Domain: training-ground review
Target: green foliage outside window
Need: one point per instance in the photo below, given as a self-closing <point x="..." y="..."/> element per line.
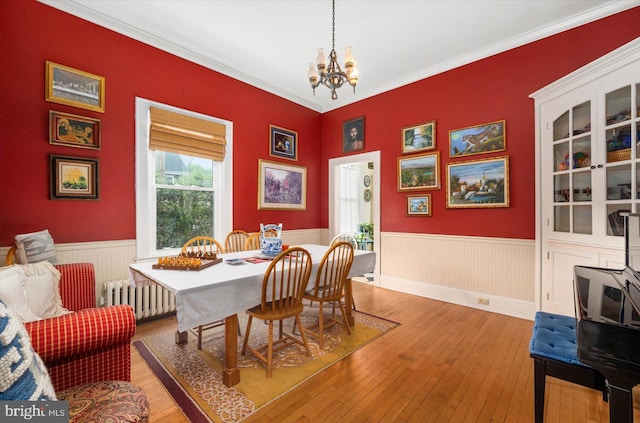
<point x="183" y="212"/>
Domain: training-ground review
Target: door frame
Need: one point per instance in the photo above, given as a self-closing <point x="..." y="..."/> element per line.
<point x="334" y="200"/>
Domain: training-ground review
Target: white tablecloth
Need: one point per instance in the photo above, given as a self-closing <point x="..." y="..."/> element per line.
<point x="223" y="290"/>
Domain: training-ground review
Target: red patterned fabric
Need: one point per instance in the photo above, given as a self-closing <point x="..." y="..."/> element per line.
<point x="90" y="345"/>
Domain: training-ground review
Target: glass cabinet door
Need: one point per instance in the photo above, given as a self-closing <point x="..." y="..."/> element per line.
<point x="572" y="171"/>
<point x="620" y="133"/>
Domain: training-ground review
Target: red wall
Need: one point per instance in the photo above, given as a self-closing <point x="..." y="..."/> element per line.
<point x="492" y="89"/>
<point x="32" y="33"/>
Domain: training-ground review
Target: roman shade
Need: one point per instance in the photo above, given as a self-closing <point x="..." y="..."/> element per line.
<point x="178" y="133"/>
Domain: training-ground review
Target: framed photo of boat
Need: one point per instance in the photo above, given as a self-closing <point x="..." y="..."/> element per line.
<point x="478" y="183"/>
<point x="73" y="130"/>
<point x="479" y="139"/>
<point x="73" y="87"/>
<point x="419" y="205"/>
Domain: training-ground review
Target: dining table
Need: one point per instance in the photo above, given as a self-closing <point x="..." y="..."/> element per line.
<point x="221" y="291"/>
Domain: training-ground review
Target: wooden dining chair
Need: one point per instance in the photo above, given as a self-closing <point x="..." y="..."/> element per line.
<point x="344" y="237"/>
<point x="283" y="287"/>
<point x="329" y="288"/>
<point x="203" y="247"/>
<point x="253" y="240"/>
<point x="235" y="241"/>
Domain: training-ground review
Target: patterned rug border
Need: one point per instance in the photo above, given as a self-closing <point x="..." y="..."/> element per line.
<point x="190" y="406"/>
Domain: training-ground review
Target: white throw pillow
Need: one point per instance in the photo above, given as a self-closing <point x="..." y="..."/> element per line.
<point x="12" y="292"/>
<point x="32" y="291"/>
<point x="35" y="247"/>
<point x="41" y="287"/>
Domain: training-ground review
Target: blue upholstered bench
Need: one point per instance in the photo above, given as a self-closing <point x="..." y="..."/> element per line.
<point x="554" y="351"/>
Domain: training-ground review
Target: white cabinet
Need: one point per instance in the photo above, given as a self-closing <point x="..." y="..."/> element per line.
<point x="588" y="170"/>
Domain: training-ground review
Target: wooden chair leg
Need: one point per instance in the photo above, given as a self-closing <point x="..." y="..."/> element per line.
<point x="270" y="348"/>
<point x="200" y="337"/>
<point x="304" y="337"/>
<point x="321" y="323"/>
<point x="246" y="335"/>
<point x="344" y="318"/>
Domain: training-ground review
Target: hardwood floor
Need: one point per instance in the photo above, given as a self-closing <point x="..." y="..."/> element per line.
<point x="445" y="363"/>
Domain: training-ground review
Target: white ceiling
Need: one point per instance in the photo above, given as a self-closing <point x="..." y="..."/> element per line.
<point x="269" y="44"/>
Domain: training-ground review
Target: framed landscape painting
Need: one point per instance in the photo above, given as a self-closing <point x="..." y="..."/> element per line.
<point x="281" y="186"/>
<point x="478" y="184"/>
<point x="480" y="139"/>
<point x="419" y="137"/>
<point x="283" y="143"/>
<point x="419" y="172"/>
<point x="73" y="87"/>
<point x="73" y="177"/>
<point x="419" y="205"/>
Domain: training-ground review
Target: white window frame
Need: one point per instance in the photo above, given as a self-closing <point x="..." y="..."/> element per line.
<point x="145" y="183"/>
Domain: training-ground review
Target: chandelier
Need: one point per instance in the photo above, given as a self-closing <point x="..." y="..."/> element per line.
<point x="332" y="76"/>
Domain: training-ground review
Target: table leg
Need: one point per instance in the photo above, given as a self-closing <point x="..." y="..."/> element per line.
<point x="348" y="303"/>
<point x="231" y="373"/>
<point x="182" y="337"/>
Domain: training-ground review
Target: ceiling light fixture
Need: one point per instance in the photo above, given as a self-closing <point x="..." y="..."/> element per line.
<point x="332" y="76"/>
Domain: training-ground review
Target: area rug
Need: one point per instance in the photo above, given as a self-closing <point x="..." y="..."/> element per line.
<point x="194" y="377"/>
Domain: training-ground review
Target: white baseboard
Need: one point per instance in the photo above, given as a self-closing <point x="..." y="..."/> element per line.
<point x="500" y="305"/>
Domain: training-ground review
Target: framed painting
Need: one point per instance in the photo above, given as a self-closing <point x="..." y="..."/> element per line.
<point x="281" y="186"/>
<point x="485" y="138"/>
<point x="283" y="143"/>
<point x="73" y="130"/>
<point x="419" y="137"/>
<point x="74" y="177"/>
<point x="419" y="205"/>
<point x="479" y="183"/>
<point x="353" y="135"/>
<point x="73" y="87"/>
<point x="419" y="172"/>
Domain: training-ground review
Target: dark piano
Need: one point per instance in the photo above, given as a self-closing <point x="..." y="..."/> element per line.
<point x="608" y="331"/>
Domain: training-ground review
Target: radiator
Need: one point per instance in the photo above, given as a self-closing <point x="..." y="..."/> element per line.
<point x="147" y="301"/>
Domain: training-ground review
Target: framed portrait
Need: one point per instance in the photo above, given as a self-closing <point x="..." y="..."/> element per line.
<point x="73" y="87"/>
<point x="73" y="177"/>
<point x="479" y="183"/>
<point x="353" y="135"/>
<point x="419" y="172"/>
<point x="281" y="186"/>
<point x="73" y="130"/>
<point x="283" y="143"/>
<point x="419" y="205"/>
<point x="480" y="139"/>
<point x="419" y="137"/>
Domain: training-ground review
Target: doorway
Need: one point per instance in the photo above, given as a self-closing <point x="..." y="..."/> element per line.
<point x="367" y="166"/>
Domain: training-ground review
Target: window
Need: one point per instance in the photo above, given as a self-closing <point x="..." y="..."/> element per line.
<point x="349" y="198"/>
<point x="178" y="193"/>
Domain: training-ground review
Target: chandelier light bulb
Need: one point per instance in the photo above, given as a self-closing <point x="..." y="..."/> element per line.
<point x="321" y="61"/>
<point x="312" y="74"/>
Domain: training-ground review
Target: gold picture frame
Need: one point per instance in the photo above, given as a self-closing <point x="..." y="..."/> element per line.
<point x="420" y="137"/>
<point x="419" y="205"/>
<point x="73" y="87"/>
<point x="281" y="186"/>
<point x="420" y="172"/>
<point x="478" y="183"/>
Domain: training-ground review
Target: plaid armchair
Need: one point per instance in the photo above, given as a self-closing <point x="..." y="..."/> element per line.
<point x="89" y="345"/>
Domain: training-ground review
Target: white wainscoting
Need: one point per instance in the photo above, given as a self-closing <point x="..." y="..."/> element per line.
<point x="448" y="268"/>
<point x="462" y="270"/>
